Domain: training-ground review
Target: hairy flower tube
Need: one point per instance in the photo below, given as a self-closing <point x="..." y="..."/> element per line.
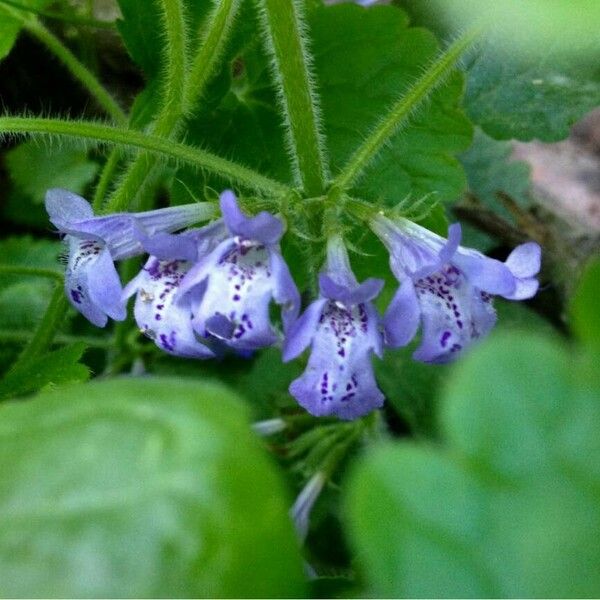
<point x="92" y="283"/>
<point x="233" y="285"/>
<point x="342" y="329"/>
<point x="448" y="289"/>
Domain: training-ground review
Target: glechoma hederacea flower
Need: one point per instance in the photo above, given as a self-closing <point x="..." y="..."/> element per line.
<point x="205" y="290"/>
<point x="233" y="285"/>
<point x="448" y="289"/>
<point x="169" y="323"/>
<point x="342" y="326"/>
<point x="92" y="283"/>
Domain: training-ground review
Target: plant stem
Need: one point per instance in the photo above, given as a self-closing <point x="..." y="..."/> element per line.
<point x="31" y="271"/>
<point x="283" y="25"/>
<point x="42" y="338"/>
<point x="108" y="171"/>
<point x="399" y="113"/>
<point x="180" y="96"/>
<point x="77" y="69"/>
<point x="127" y="138"/>
<point x="136" y="177"/>
<point x="210" y="51"/>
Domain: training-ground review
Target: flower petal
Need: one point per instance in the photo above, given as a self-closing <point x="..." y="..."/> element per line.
<point x="301" y="333"/>
<point x="402" y="317"/>
<point x="525" y="260"/>
<point x="264" y="227"/>
<point x="339" y="376"/>
<point x="240" y="286"/>
<point x="487" y="274"/>
<point x="167" y="323"/>
<point x="525" y="289"/>
<point x="453" y="313"/>
<point x="65" y="207"/>
<point x="285" y="292"/>
<point x="92" y="283"/>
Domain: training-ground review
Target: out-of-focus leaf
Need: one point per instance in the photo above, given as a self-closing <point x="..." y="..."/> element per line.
<point x="490" y="170"/>
<point x="35" y="167"/>
<point x="585" y="307"/>
<point x="528" y="97"/>
<point x="535" y="26"/>
<point x="262" y="381"/>
<point x="537" y="71"/>
<point x="24" y="299"/>
<point x="412" y="388"/>
<point x="143" y="488"/>
<point x="509" y="506"/>
<point x="10" y="23"/>
<point x="53" y="368"/>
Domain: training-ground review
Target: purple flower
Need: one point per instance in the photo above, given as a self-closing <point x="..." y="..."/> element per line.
<point x="236" y="282"/>
<point x="448" y="289"/>
<point x="92" y="283"/>
<point x="342" y="327"/>
<point x="169" y="323"/>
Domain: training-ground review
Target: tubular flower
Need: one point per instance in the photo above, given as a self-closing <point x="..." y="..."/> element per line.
<point x="92" y="283"/>
<point x="342" y="328"/>
<point x="169" y="323"/>
<point x="232" y="286"/>
<point x="448" y="289"/>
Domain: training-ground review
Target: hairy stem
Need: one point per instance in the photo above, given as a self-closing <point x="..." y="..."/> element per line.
<point x="180" y="96"/>
<point x="108" y="171"/>
<point x="77" y="69"/>
<point x="283" y="25"/>
<point x="399" y="113"/>
<point x="210" y="51"/>
<point x="134" y="180"/>
<point x="126" y="138"/>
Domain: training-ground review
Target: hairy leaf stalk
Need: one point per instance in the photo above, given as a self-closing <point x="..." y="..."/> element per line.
<point x="181" y="91"/>
<point x="285" y="40"/>
<point x="126" y="138"/>
<point x="399" y="113"/>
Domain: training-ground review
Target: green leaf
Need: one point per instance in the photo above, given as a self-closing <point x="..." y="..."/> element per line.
<point x="54" y="368"/>
<point x="508" y="506"/>
<point x="10" y="24"/>
<point x="140" y="488"/>
<point x="63" y="165"/>
<point x="142" y="33"/>
<point x="241" y="120"/>
<point x="24" y="299"/>
<point x="490" y="170"/>
<point x="412" y="388"/>
<point x="584" y="313"/>
<point x="9" y="30"/>
<point x="386" y="56"/>
<point x="538" y="95"/>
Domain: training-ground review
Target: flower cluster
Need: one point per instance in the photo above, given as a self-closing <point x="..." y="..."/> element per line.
<point x="207" y="291"/>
